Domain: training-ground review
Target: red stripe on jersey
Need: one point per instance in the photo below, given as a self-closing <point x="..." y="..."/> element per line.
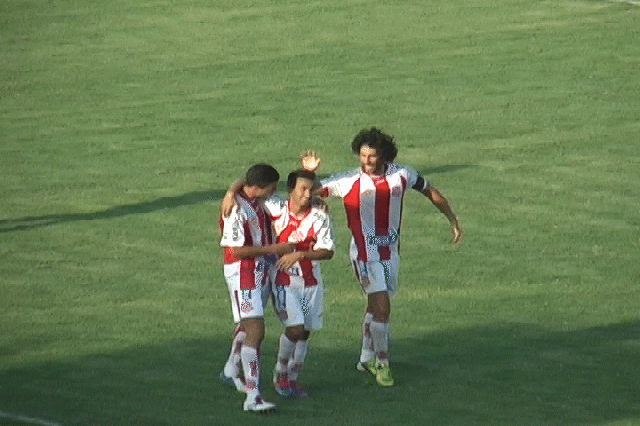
<point x="282" y="279"/>
<point x="383" y="196"/>
<point x="247" y="265"/>
<point x="305" y="264"/>
<point x="247" y="274"/>
<point x="354" y="223"/>
<point x="227" y="257"/>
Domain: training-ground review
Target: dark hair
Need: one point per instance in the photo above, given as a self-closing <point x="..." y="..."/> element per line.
<point x="261" y="175"/>
<point x="374" y="138"/>
<point x="293" y="177"/>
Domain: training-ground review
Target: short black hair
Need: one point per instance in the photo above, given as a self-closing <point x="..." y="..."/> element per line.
<point x="261" y="175"/>
<point x="293" y="177"/>
<point x="374" y="138"/>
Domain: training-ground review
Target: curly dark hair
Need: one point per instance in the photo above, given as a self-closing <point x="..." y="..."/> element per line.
<point x="374" y="138"/>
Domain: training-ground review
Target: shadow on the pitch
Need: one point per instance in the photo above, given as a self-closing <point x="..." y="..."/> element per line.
<point x="190" y="198"/>
<point x="489" y="375"/>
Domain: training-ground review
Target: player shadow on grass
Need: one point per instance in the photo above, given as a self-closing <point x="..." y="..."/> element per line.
<point x="190" y="198"/>
<point x="500" y="375"/>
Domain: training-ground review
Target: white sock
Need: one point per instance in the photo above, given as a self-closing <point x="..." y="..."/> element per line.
<point x="285" y="353"/>
<point x="234" y="364"/>
<point x="296" y="363"/>
<point x="380" y="337"/>
<point x="251" y="366"/>
<point x="367" y="353"/>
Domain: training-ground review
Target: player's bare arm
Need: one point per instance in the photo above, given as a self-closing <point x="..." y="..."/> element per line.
<point x="228" y="202"/>
<point x="257" y="251"/>
<point x="442" y="204"/>
<point x="286" y="261"/>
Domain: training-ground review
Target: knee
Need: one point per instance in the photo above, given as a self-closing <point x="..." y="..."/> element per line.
<point x="381" y="316"/>
<point x="296" y="333"/>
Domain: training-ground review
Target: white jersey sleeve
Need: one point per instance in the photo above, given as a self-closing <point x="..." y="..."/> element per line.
<point x="339" y="185"/>
<point x="414" y="179"/>
<point x="233" y="229"/>
<point x="324" y="231"/>
<point x="274" y="206"/>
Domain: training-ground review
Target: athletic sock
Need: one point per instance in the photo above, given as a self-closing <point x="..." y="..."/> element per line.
<point x="380" y="337"/>
<point x="251" y="366"/>
<point x="234" y="363"/>
<point x="297" y="361"/>
<point x="285" y="353"/>
<point x="367" y="353"/>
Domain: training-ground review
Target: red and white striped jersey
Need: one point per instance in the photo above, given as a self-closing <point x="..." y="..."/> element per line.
<point x="373" y="205"/>
<point x="247" y="225"/>
<point x="312" y="231"/>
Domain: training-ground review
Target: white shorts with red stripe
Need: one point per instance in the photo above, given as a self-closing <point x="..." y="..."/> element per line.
<point x="247" y="302"/>
<point x="378" y="275"/>
<point x="297" y="304"/>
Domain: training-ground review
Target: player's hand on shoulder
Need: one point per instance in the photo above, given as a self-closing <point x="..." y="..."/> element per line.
<point x="227" y="205"/>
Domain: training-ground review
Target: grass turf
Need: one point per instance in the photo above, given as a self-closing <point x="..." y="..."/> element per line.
<point x="122" y="123"/>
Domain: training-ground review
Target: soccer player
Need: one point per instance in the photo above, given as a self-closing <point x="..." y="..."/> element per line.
<point x="372" y="196"/>
<point x="247" y="239"/>
<point x="297" y="283"/>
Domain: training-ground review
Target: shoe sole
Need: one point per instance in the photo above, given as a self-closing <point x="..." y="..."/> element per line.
<point x="384" y="385"/>
<point x="262" y="412"/>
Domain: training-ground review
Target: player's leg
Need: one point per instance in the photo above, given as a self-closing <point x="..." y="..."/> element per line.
<point x="313" y="309"/>
<point x="285" y="353"/>
<point x="366" y="351"/>
<point x="380" y="305"/>
<point x="288" y="303"/>
<point x="232" y="375"/>
<point x="250" y="356"/>
<point x="296" y="363"/>
<point x="382" y="283"/>
<point x="252" y="313"/>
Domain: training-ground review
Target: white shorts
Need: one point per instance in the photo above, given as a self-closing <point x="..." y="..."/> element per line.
<point x="377" y="276"/>
<point x="248" y="302"/>
<point x="296" y="304"/>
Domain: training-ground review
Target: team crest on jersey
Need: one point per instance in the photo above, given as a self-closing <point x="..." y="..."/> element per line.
<point x="246" y="306"/>
<point x="396" y="191"/>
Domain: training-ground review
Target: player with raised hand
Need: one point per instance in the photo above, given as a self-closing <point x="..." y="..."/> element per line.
<point x="372" y="196"/>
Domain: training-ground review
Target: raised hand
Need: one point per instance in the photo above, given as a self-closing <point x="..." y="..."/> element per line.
<point x="310" y="161"/>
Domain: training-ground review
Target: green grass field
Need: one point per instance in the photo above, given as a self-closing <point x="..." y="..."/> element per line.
<point x="123" y="122"/>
